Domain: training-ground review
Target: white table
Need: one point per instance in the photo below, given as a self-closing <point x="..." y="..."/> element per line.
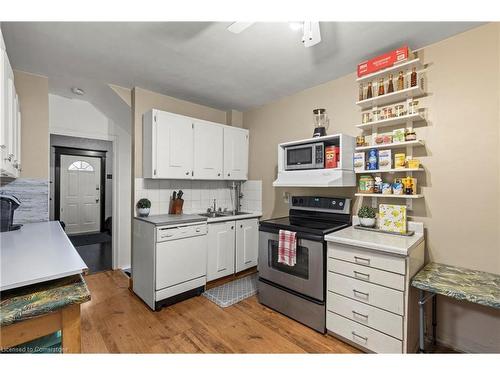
<point x="36" y="253"/>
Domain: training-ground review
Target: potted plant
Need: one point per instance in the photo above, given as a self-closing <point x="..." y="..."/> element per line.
<point x="143" y="207"/>
<point x="367" y="216"/>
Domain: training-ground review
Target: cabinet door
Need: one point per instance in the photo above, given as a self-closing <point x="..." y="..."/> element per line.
<point x="247" y="242"/>
<point x="220" y="261"/>
<point x="208" y="143"/>
<point x="172" y="146"/>
<point x="3" y="106"/>
<point x="235" y="153"/>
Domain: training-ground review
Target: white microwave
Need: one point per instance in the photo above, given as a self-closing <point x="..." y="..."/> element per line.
<point x="305" y="156"/>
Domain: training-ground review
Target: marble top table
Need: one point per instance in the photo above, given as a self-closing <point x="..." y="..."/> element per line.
<point x="460" y="283"/>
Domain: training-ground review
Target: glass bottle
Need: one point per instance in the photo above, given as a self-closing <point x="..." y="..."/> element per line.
<point x="413" y="77"/>
<point x="369" y="93"/>
<point x="381" y="89"/>
<point x="401" y="81"/>
<point x="390" y="86"/>
<point x="361" y="96"/>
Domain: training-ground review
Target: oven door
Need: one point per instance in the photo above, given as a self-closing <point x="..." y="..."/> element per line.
<point x="299" y="157"/>
<point x="306" y="277"/>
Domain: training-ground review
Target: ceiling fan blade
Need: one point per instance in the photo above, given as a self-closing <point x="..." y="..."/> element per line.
<point x="312" y="34"/>
<point x="238" y="27"/>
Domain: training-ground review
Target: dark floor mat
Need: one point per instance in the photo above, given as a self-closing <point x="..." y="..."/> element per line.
<point x="89" y="239"/>
<point x="96" y="256"/>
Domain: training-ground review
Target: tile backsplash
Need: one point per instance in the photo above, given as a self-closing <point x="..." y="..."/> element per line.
<point x="198" y="195"/>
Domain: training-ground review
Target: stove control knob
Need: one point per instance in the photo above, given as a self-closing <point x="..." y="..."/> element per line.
<point x="294" y="201"/>
<point x="341" y="204"/>
<point x="333" y="203"/>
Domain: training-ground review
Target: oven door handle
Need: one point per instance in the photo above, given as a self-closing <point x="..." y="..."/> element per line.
<point x="299" y="236"/>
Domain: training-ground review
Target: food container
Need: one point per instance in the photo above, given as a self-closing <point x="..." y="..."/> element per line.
<point x="397" y="187"/>
<point x="377" y="187"/>
<point x="360" y="141"/>
<point x="383" y="139"/>
<point x="359" y="161"/>
<point x="366" y="118"/>
<point x="372" y="159"/>
<point x="386" y="188"/>
<point x="398" y="135"/>
<point x="376" y="115"/>
<point x="413" y="107"/>
<point x="399" y="160"/>
<point x="413" y="163"/>
<point x="366" y="184"/>
<point x="385" y="159"/>
<point x="411" y="136"/>
<point x="400" y="110"/>
<point x="331" y="156"/>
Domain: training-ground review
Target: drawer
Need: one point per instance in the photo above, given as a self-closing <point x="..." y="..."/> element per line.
<point x="381" y="320"/>
<point x="372" y="275"/>
<point x="364" y="336"/>
<point x="367" y="258"/>
<point x="375" y="295"/>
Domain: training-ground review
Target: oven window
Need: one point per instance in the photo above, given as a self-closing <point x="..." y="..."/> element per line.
<point x="301" y="268"/>
<point x="299" y="156"/>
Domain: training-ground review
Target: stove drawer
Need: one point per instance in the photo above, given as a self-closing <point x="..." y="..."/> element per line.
<point x="381" y="320"/>
<point x="372" y="275"/>
<point x="363" y="336"/>
<point x="375" y="295"/>
<point x="366" y="258"/>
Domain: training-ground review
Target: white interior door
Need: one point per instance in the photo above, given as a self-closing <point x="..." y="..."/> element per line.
<point x="80" y="193"/>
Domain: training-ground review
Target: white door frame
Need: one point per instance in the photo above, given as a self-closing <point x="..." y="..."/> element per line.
<point x="116" y="191"/>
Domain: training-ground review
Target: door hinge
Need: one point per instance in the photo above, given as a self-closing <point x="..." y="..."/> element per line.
<point x="192" y="173"/>
<point x="192" y="125"/>
<point x="154" y="172"/>
<point x="155" y="118"/>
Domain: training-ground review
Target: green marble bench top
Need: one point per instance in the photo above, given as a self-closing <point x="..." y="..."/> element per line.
<point x="43" y="298"/>
<point x="460" y="283"/>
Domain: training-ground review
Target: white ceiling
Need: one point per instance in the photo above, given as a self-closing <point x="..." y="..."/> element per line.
<point x="201" y="61"/>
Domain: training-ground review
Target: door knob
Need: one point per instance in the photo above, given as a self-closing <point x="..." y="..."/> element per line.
<point x="229" y="174"/>
<point x="97" y="200"/>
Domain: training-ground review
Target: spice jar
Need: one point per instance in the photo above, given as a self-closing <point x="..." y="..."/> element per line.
<point x="390" y="87"/>
<point x="410" y="135"/>
<point x="401" y="81"/>
<point x="413" y="107"/>
<point x="376" y="115"/>
<point x="361" y="94"/>
<point x="366" y="117"/>
<point x="381" y="88"/>
<point x="399" y="110"/>
<point x="413" y="77"/>
<point x="369" y="93"/>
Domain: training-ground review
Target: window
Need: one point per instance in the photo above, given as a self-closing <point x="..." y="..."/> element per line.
<point x="81" y="165"/>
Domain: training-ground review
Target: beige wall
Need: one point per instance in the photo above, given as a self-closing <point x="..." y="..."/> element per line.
<point x="33" y="91"/>
<point x="461" y="209"/>
<point x="144" y="100"/>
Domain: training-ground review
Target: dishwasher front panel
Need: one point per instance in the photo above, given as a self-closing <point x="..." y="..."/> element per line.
<point x="181" y="260"/>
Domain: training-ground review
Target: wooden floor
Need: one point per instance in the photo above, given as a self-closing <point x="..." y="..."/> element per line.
<point x="116" y="321"/>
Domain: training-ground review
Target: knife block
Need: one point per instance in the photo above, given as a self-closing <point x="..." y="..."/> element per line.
<point x="176" y="206"/>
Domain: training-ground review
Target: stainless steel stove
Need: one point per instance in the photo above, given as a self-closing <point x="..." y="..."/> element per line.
<point x="300" y="291"/>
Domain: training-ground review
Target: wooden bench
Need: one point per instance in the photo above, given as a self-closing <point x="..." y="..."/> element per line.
<point x="460" y="283"/>
<point x="38" y="310"/>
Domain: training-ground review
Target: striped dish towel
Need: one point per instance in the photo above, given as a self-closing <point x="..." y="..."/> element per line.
<point x="287" y="248"/>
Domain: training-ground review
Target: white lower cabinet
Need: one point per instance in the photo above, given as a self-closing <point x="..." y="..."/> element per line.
<point x="232" y="247"/>
<point x="369" y="299"/>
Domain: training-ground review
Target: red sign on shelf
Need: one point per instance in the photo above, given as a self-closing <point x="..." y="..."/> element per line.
<point x="383" y="61"/>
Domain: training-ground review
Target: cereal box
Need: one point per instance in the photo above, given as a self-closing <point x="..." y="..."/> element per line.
<point x="359" y="161"/>
<point x="385" y="159"/>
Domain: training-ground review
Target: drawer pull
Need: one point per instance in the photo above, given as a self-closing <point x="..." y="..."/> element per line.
<point x="363" y="275"/>
<point x="361" y="260"/>
<point x="354" y="312"/>
<point x="355" y="335"/>
<point x="362" y="293"/>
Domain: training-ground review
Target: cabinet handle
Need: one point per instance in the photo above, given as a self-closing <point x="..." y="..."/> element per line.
<point x="232" y="227"/>
<point x="229" y="174"/>
<point x="241" y="226"/>
<point x="362" y="293"/>
<point x="362" y="274"/>
<point x="218" y="174"/>
<point x="365" y="339"/>
<point x="362" y="315"/>
<point x="187" y="173"/>
<point x="357" y="259"/>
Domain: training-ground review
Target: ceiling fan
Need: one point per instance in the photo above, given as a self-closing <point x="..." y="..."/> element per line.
<point x="310" y="37"/>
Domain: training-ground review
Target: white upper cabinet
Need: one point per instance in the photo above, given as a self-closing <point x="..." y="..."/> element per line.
<point x="181" y="147"/>
<point x="167" y="145"/>
<point x="235" y="153"/>
<point x="208" y="151"/>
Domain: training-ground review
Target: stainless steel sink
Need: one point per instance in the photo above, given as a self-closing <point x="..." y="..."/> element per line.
<point x="212" y="214"/>
<point x="231" y="213"/>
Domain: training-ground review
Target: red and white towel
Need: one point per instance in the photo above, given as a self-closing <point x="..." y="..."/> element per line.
<point x="287" y="248"/>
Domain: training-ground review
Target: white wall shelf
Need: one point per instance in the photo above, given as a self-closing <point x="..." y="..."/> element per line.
<point x="393" y="97"/>
<point x="403" y="196"/>
<point x="407" y="65"/>
<point x="391" y="121"/>
<point x="392" y="170"/>
<point x="392" y="145"/>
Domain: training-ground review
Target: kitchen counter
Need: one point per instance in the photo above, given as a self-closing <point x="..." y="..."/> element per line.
<point x="389" y="243"/>
<point x="234" y="217"/>
<point x="36" y="253"/>
<point x="168" y="219"/>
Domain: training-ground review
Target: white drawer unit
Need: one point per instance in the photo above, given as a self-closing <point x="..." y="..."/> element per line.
<point x="369" y="300"/>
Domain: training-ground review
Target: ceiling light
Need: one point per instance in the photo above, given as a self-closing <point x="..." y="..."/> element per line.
<point x="295" y="26"/>
<point x="77" y="91"/>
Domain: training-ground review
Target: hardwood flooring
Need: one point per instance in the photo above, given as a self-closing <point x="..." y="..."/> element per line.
<point x="117" y="321"/>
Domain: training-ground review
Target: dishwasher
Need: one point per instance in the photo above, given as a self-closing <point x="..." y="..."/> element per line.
<point x="169" y="262"/>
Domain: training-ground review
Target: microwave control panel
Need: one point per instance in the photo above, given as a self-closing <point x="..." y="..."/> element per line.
<point x="319" y="154"/>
